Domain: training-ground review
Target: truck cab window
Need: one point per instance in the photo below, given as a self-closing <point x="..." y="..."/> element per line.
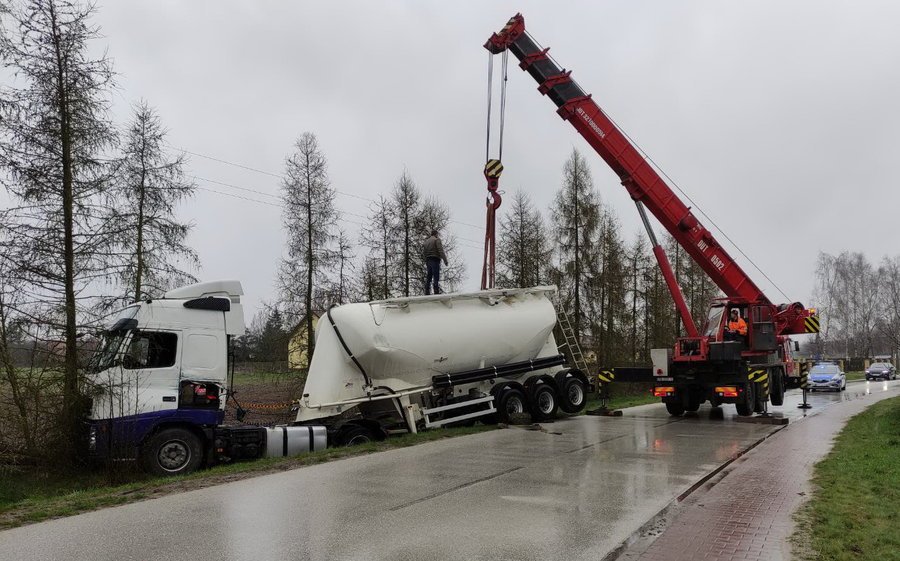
<point x="713" y="321"/>
<point x="150" y="349"/>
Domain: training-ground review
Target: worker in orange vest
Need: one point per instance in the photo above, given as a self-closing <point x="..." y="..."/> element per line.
<point x="736" y="330"/>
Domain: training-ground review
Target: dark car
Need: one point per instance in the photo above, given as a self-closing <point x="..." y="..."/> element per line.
<point x="881" y="371"/>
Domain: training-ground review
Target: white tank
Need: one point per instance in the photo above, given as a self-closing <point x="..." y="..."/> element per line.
<point x="402" y="343"/>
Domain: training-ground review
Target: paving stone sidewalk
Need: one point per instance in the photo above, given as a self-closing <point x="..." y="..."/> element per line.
<point x="747" y="514"/>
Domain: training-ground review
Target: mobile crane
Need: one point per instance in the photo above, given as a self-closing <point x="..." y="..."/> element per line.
<point x="704" y="365"/>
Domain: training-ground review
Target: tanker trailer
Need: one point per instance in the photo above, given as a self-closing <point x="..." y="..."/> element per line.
<point x="402" y="364"/>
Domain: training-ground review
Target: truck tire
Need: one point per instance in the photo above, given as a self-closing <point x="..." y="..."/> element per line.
<point x="572" y="395"/>
<point x="746" y="406"/>
<point x="351" y="435"/>
<point x="694" y="400"/>
<point x="543" y="403"/>
<point x="776" y="385"/>
<point x="675" y="409"/>
<point x="511" y="404"/>
<point x="173" y="451"/>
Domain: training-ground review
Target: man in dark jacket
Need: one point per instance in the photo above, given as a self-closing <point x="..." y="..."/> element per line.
<point x="433" y="252"/>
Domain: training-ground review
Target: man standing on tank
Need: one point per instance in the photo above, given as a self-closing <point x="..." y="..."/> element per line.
<point x="433" y="252"/>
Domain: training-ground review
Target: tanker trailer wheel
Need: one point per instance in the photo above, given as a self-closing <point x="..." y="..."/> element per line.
<point x="511" y="405"/>
<point x="776" y="385"/>
<point x="746" y="405"/>
<point x="174" y="451"/>
<point x="543" y="403"/>
<point x="572" y="395"/>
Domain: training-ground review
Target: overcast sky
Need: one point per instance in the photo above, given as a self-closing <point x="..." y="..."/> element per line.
<point x="778" y="118"/>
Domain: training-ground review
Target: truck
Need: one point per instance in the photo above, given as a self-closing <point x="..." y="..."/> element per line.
<point x="707" y="364"/>
<point x="163" y="373"/>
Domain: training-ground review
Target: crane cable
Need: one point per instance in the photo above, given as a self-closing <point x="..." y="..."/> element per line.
<point x="492" y="170"/>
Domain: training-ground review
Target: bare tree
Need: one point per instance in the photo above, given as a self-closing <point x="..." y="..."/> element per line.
<point x="54" y="130"/>
<point x="151" y="185"/>
<point x="435" y="215"/>
<point x="523" y="250"/>
<point x="850" y="288"/>
<point x="309" y="219"/>
<point x="889" y="274"/>
<point x="824" y="295"/>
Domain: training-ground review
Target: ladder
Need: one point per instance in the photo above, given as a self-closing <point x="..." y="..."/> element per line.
<point x="570" y="346"/>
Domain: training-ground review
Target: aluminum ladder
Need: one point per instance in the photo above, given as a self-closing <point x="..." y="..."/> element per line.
<point x="570" y="346"/>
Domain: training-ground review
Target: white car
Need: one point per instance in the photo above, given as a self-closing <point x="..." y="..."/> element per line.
<point x="827" y="377"/>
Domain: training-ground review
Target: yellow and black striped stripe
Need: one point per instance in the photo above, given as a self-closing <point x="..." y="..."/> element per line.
<point x="606" y="376"/>
<point x="758" y="376"/>
<point x="811" y="324"/>
<point x="493" y="168"/>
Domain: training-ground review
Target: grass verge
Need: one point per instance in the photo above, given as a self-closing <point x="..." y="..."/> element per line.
<point x="625" y="395"/>
<point x="855" y="510"/>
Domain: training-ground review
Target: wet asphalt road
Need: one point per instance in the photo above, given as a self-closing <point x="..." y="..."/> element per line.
<point x="506" y="494"/>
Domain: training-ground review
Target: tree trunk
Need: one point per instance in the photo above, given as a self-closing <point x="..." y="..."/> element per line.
<point x="71" y="400"/>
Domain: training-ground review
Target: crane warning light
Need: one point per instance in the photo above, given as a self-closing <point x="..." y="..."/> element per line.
<point x="663" y="391"/>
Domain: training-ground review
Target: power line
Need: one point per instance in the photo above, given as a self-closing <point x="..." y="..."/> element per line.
<point x="674" y="184"/>
<point x="280" y="206"/>
<point x="281" y="176"/>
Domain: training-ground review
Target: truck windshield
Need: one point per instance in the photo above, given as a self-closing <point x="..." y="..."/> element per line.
<point x="713" y="320"/>
<point x="111" y="340"/>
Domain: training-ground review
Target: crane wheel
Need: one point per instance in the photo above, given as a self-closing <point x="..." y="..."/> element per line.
<point x="776" y="385"/>
<point x="675" y="409"/>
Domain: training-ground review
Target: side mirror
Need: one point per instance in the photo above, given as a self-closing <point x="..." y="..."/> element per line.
<point x="797" y="346"/>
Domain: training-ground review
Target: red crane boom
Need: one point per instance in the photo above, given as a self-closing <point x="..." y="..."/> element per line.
<point x="643" y="182"/>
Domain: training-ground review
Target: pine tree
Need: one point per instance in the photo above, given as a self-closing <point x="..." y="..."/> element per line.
<point x="575" y="219"/>
<point x="523" y="248"/>
<point x="151" y="185"/>
<point x="310" y="219"/>
<point x="378" y="236"/>
<point x="54" y="135"/>
<point x="407" y="206"/>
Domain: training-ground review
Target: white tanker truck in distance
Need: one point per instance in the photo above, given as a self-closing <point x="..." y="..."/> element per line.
<point x="160" y="378"/>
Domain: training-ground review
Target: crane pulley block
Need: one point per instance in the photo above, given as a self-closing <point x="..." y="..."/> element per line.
<point x="492" y="171"/>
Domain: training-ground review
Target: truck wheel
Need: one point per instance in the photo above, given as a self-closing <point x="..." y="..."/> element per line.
<point x="351" y="435"/>
<point x="543" y="403"/>
<point x="776" y="385"/>
<point x="174" y="451"/>
<point x="746" y="406"/>
<point x="511" y="404"/>
<point x="675" y="409"/>
<point x="572" y="395"/>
